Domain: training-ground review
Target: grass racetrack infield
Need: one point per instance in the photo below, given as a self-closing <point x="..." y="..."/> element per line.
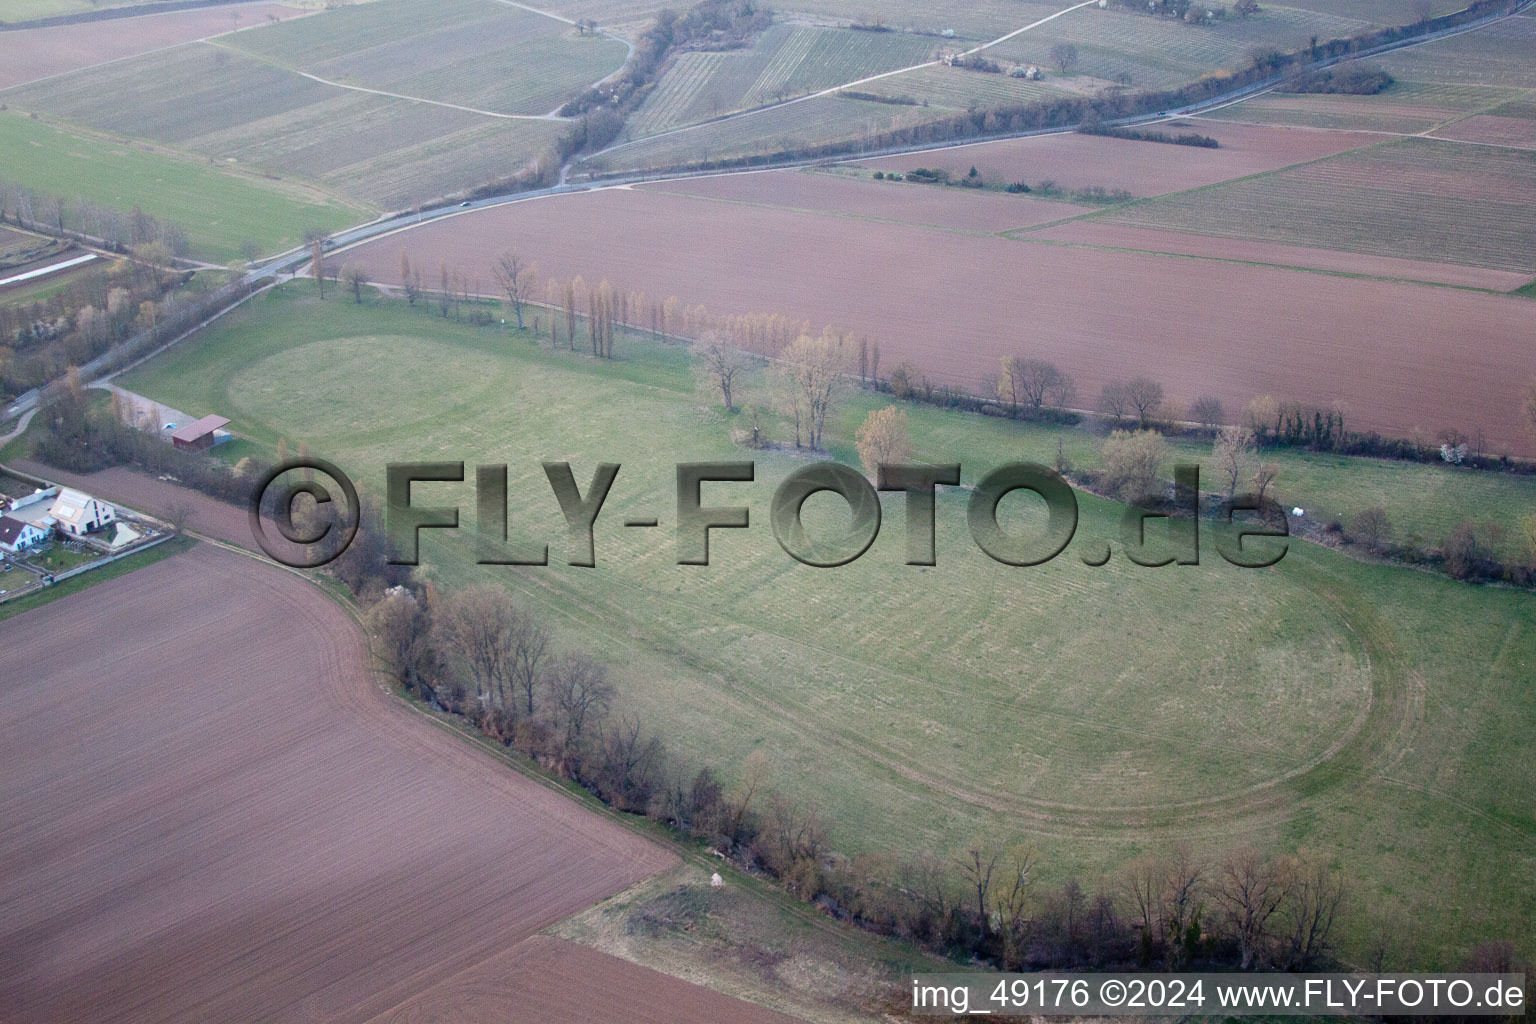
<point x="1372" y="714"/>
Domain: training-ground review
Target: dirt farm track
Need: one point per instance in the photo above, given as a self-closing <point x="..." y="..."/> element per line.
<point x="264" y="834"/>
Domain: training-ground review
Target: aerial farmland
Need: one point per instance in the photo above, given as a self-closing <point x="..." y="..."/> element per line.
<point x="628" y="511"/>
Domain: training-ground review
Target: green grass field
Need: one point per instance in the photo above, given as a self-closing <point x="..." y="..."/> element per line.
<point x="1379" y="716"/>
<point x="217" y="209"/>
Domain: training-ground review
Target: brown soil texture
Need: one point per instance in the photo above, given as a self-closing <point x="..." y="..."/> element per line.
<point x="906" y="202"/>
<point x="210" y="516"/>
<point x="32" y="53"/>
<point x="209" y="812"/>
<point x="1400" y="356"/>
<point x="545" y="980"/>
<point x="1120" y="236"/>
<point x="1141" y="168"/>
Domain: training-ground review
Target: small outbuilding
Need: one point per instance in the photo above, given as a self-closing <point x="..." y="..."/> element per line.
<point x="17" y="535"/>
<point x="200" y="436"/>
<point x="78" y="514"/>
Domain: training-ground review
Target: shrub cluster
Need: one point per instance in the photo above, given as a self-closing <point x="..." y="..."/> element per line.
<point x="1146" y="135"/>
<point x="1350" y="79"/>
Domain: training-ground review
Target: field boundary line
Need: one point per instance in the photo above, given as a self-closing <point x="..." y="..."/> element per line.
<point x="839" y="88"/>
<point x="147" y="53"/>
<point x="263" y="59"/>
<point x="535" y="10"/>
<point x="1023" y="236"/>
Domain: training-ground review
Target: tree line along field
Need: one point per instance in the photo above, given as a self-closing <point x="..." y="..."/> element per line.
<point x="919" y="706"/>
<point x="1101" y="314"/>
<point x="217" y="209"/>
<point x="239" y="102"/>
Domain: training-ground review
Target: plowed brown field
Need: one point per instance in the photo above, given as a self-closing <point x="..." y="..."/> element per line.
<point x="1124" y="236"/>
<point x="32" y="53"/>
<point x="209" y="516"/>
<point x="1400" y="356"/>
<point x="209" y="813"/>
<point x="543" y="980"/>
<point x="908" y="203"/>
<point x="1516" y="132"/>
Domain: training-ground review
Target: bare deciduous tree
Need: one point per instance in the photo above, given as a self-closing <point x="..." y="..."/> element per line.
<point x="515" y="276"/>
<point x="581" y="694"/>
<point x="1133" y="462"/>
<point x="356" y="279"/>
<point x="398" y="627"/>
<point x="722" y="365"/>
<point x="1144" y="884"/>
<point x="1144" y="395"/>
<point x="1250" y="890"/>
<point x="1064" y="56"/>
<point x="1033" y="381"/>
<point x="1263" y="477"/>
<point x="317" y="263"/>
<point x="478" y="628"/>
<point x="977" y="865"/>
<point x="810" y="378"/>
<point x="1183" y="885"/>
<point x="1233" y="452"/>
<point x="1262" y="414"/>
<point x="1372" y="528"/>
<point x="1206" y="411"/>
<point x="1316" y="896"/>
<point x="882" y="439"/>
<point x="1113" y="401"/>
<point x="177" y="515"/>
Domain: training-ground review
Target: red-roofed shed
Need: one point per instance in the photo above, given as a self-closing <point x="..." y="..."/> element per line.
<point x="196" y="437"/>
